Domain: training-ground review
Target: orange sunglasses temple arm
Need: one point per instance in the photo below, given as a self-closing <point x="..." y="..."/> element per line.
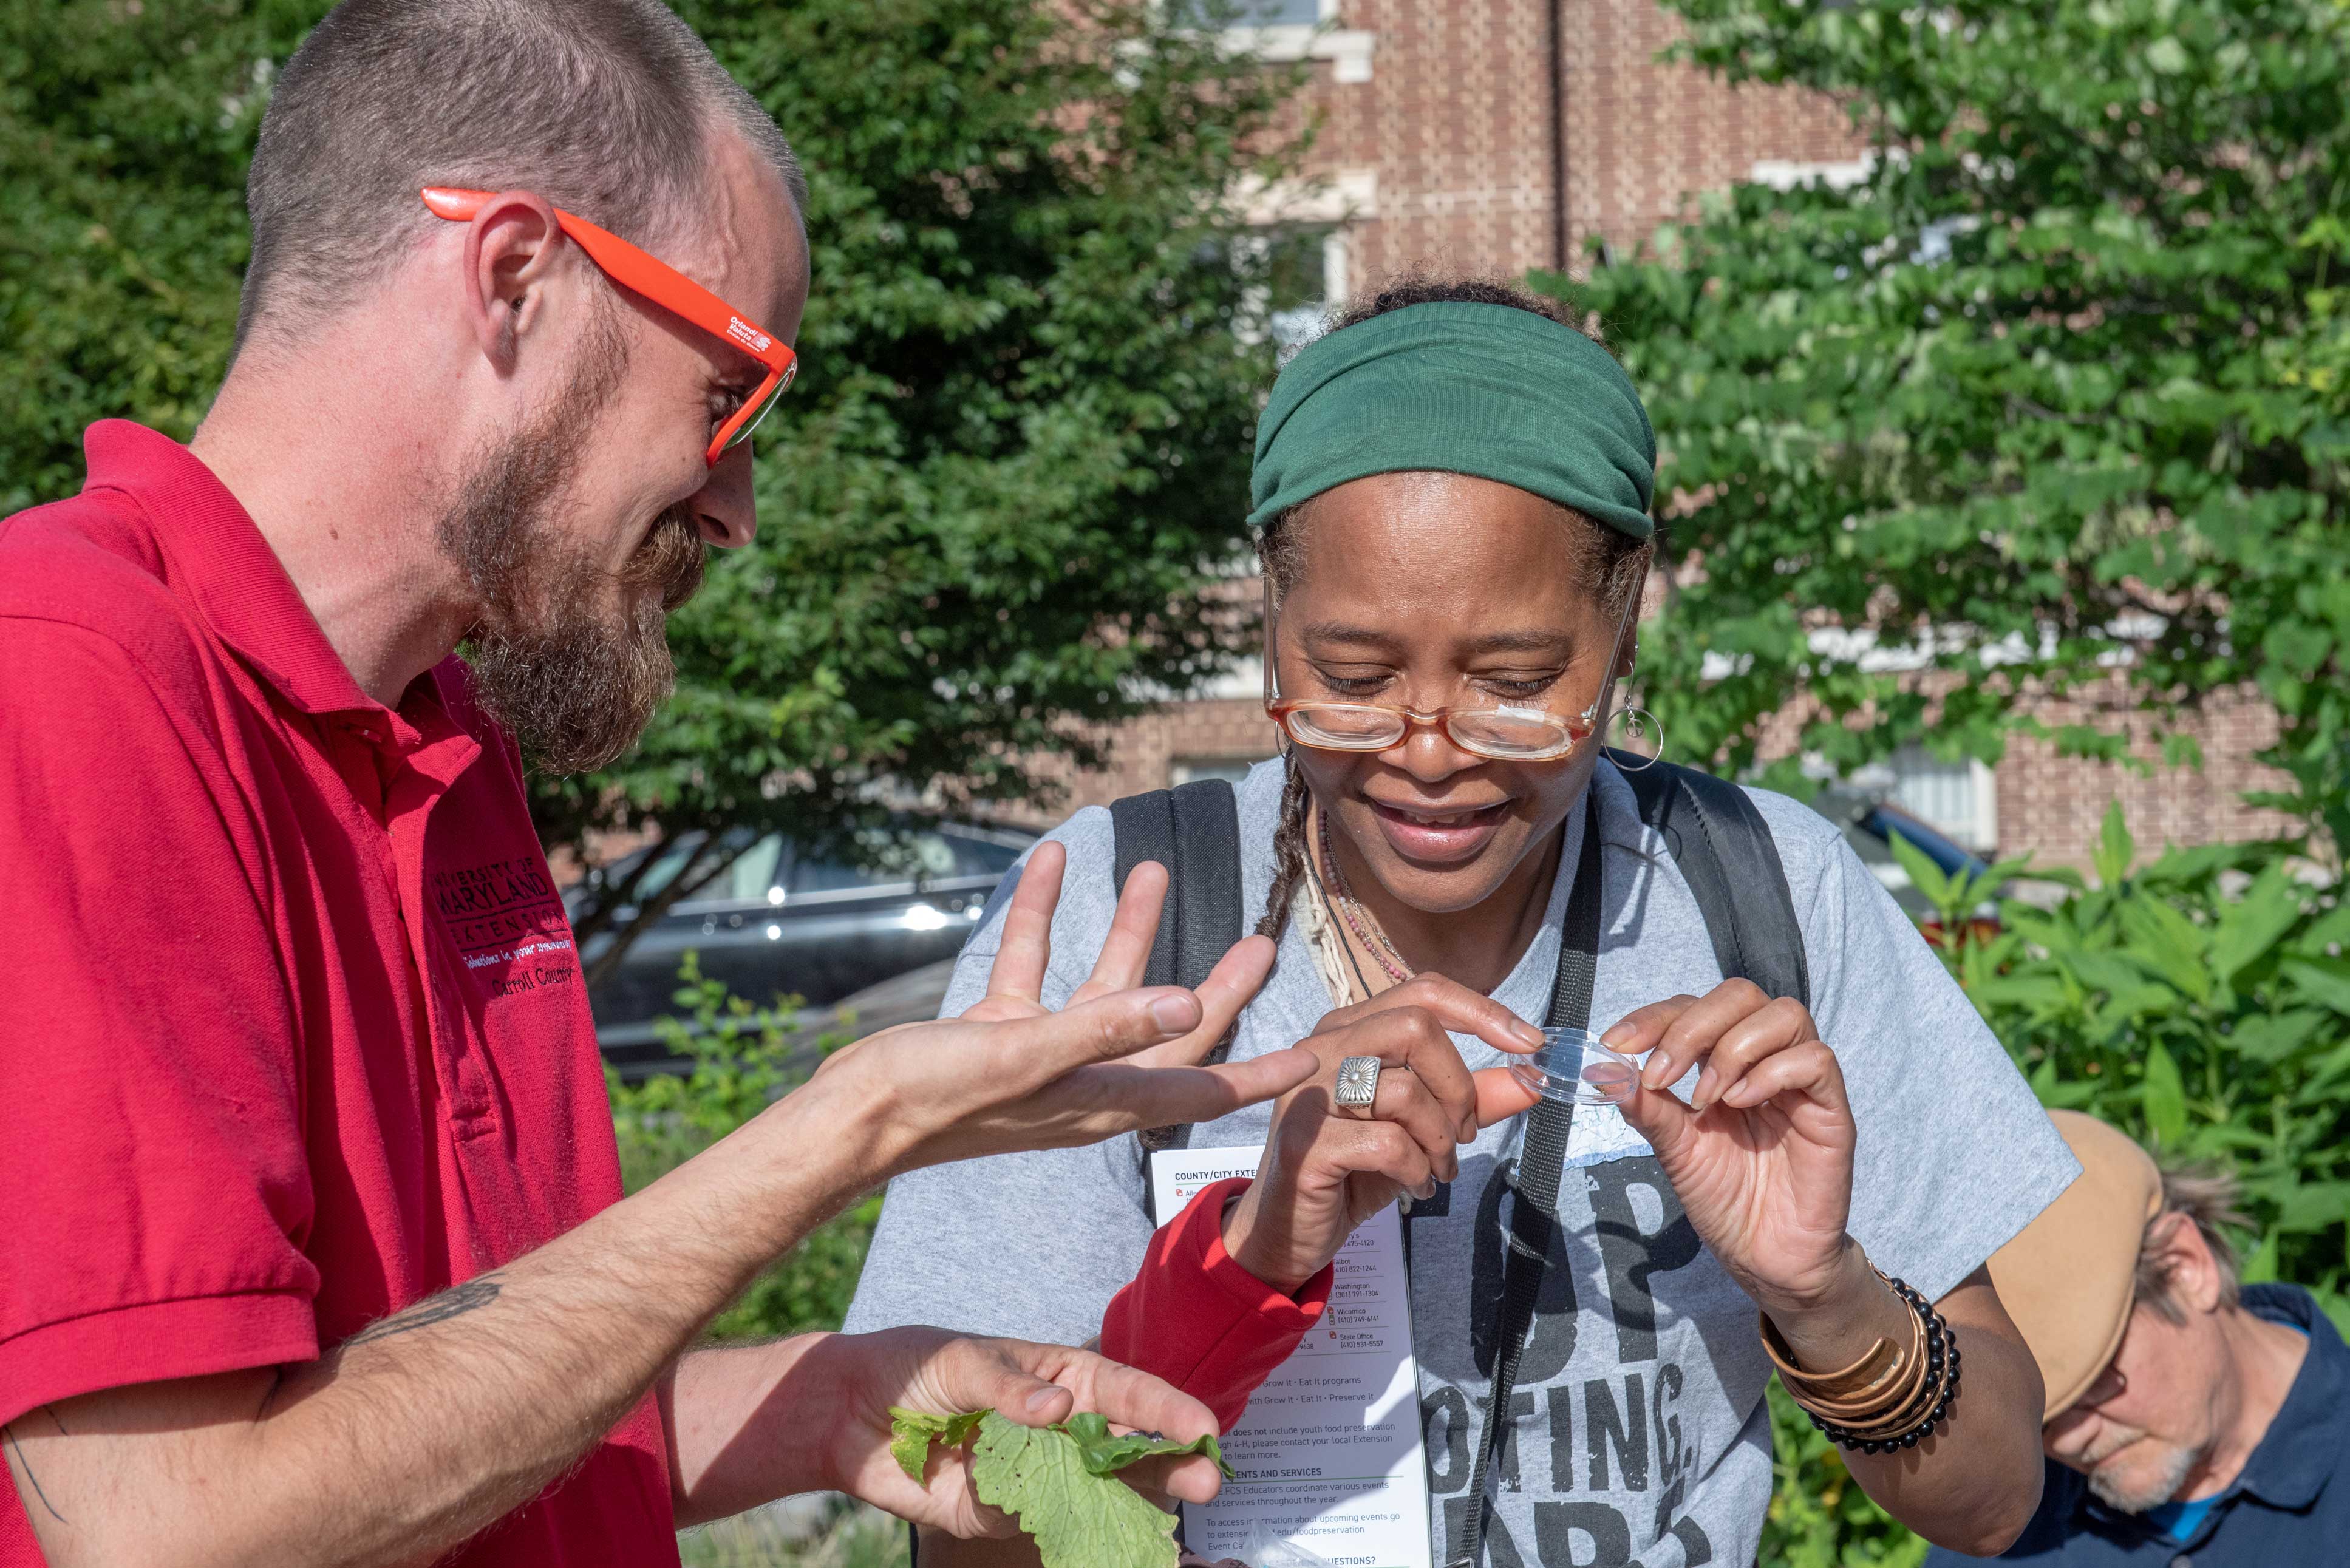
<point x="639" y="272"/>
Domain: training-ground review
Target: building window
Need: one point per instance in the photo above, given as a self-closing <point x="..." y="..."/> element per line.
<point x="1189" y="770"/>
<point x="1306" y="278"/>
<point x="1284" y="30"/>
<point x="1302" y="233"/>
<point x="1255" y="13"/>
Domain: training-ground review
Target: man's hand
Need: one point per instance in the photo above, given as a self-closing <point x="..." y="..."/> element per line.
<point x="855" y="1378"/>
<point x="1010" y="1073"/>
<point x="1327" y="1167"/>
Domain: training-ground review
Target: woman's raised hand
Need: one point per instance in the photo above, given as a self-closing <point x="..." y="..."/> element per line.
<point x="1013" y="1073"/>
<point x="1327" y="1167"/>
<point x="1761" y="1156"/>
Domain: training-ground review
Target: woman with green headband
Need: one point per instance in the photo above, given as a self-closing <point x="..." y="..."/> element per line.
<point x="1452" y="492"/>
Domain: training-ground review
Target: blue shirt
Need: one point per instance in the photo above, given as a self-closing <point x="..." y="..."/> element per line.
<point x="2280" y="1510"/>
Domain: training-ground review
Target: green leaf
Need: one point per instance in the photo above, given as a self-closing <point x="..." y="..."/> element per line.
<point x="2253" y="924"/>
<point x="2331" y="930"/>
<point x="2165" y="1096"/>
<point x="1078" y="1518"/>
<point x="2166" y="57"/>
<point x="2323" y="980"/>
<point x="2267" y="1038"/>
<point x="2043" y="1079"/>
<point x="1922" y="871"/>
<point x="2314" y="1206"/>
<point x="2171" y="942"/>
<point x="2261" y="1268"/>
<point x="1106" y="1455"/>
<point x="911" y="1433"/>
<point x="2126" y="979"/>
<point x="2115" y="848"/>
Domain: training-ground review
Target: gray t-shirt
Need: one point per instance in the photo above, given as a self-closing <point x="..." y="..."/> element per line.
<point x="1638" y="1428"/>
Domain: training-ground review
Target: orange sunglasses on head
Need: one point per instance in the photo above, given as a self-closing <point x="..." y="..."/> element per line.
<point x="671" y="289"/>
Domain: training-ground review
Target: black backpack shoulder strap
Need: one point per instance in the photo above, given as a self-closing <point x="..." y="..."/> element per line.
<point x="1193" y="830"/>
<point x="1730" y="862"/>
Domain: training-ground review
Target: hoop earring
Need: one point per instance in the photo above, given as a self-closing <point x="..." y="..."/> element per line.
<point x="1635" y="732"/>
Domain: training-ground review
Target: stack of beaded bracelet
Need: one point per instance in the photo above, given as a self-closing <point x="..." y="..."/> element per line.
<point x="1899" y="1404"/>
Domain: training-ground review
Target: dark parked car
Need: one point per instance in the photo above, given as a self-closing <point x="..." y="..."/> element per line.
<point x="785" y="918"/>
<point x="1869" y="824"/>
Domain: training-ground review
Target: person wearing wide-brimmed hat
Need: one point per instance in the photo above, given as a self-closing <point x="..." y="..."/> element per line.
<point x="2191" y="1419"/>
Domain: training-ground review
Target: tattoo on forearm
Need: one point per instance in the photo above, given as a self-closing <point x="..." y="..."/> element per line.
<point x="26" y="1466"/>
<point x="456" y="1301"/>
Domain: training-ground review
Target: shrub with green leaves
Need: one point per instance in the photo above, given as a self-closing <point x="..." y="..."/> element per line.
<point x="2052" y="395"/>
<point x="2198" y="1000"/>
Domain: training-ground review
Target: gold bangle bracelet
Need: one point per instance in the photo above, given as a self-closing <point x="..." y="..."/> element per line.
<point x="1880" y="1388"/>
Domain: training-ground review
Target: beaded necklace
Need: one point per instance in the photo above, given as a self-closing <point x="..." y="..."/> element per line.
<point x="1374" y="940"/>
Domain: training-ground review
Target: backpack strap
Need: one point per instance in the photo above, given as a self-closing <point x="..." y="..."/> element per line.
<point x="1730" y="862"/>
<point x="1193" y="830"/>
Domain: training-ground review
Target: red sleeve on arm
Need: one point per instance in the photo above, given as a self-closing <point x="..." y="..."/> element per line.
<point x="1201" y="1321"/>
<point x="153" y="1152"/>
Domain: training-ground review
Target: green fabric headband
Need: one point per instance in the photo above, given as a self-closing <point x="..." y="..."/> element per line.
<point x="1483" y="389"/>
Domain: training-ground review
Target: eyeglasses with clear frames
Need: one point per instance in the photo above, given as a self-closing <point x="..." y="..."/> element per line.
<point x="1503" y="732"/>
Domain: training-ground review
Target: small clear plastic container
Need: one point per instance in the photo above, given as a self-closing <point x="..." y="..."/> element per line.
<point x="1574" y="1066"/>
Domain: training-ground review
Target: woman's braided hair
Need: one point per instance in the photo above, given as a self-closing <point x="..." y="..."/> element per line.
<point x="1608" y="562"/>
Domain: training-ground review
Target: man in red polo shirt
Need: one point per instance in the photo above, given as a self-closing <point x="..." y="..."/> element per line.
<point x="316" y="1251"/>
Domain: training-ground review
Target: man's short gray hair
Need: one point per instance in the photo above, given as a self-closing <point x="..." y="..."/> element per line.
<point x="603" y="107"/>
<point x="2211" y="1197"/>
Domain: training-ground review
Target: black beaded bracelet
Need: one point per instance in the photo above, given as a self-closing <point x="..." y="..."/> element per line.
<point x="1935" y="1397"/>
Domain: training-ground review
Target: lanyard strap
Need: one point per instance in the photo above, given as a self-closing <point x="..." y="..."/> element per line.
<point x="1534" y="1211"/>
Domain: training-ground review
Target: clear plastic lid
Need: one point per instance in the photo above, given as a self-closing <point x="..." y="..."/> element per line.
<point x="1574" y="1066"/>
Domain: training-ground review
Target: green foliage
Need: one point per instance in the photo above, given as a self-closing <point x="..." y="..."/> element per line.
<point x="857" y="1537"/>
<point x="1078" y="1518"/>
<point x="2201" y="1001"/>
<point x="2198" y="1001"/>
<point x="1819" y="1517"/>
<point x="124" y="134"/>
<point x="1017" y="448"/>
<point x="744" y="1058"/>
<point x="2056" y="398"/>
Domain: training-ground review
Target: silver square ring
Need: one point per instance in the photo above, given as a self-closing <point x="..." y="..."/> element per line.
<point x="1358" y="1081"/>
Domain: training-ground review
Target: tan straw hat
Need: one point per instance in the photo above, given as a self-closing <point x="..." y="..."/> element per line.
<point x="2068" y="1279"/>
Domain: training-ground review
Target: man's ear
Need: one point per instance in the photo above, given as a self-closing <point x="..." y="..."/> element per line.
<point x="512" y="244"/>
<point x="2193" y="1273"/>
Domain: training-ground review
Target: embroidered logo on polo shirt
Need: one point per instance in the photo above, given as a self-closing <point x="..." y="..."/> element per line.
<point x="506" y="917"/>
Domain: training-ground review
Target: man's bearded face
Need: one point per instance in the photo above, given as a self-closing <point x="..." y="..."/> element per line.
<point x="570" y="656"/>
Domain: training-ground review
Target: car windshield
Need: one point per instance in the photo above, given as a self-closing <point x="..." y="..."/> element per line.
<point x="881" y="858"/>
<point x="749" y="875"/>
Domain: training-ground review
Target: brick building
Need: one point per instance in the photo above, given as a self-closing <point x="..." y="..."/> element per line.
<point x="1494" y="137"/>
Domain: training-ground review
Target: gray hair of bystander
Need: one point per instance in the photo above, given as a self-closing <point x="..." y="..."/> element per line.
<point x="2211" y="1199"/>
<point x="605" y="107"/>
